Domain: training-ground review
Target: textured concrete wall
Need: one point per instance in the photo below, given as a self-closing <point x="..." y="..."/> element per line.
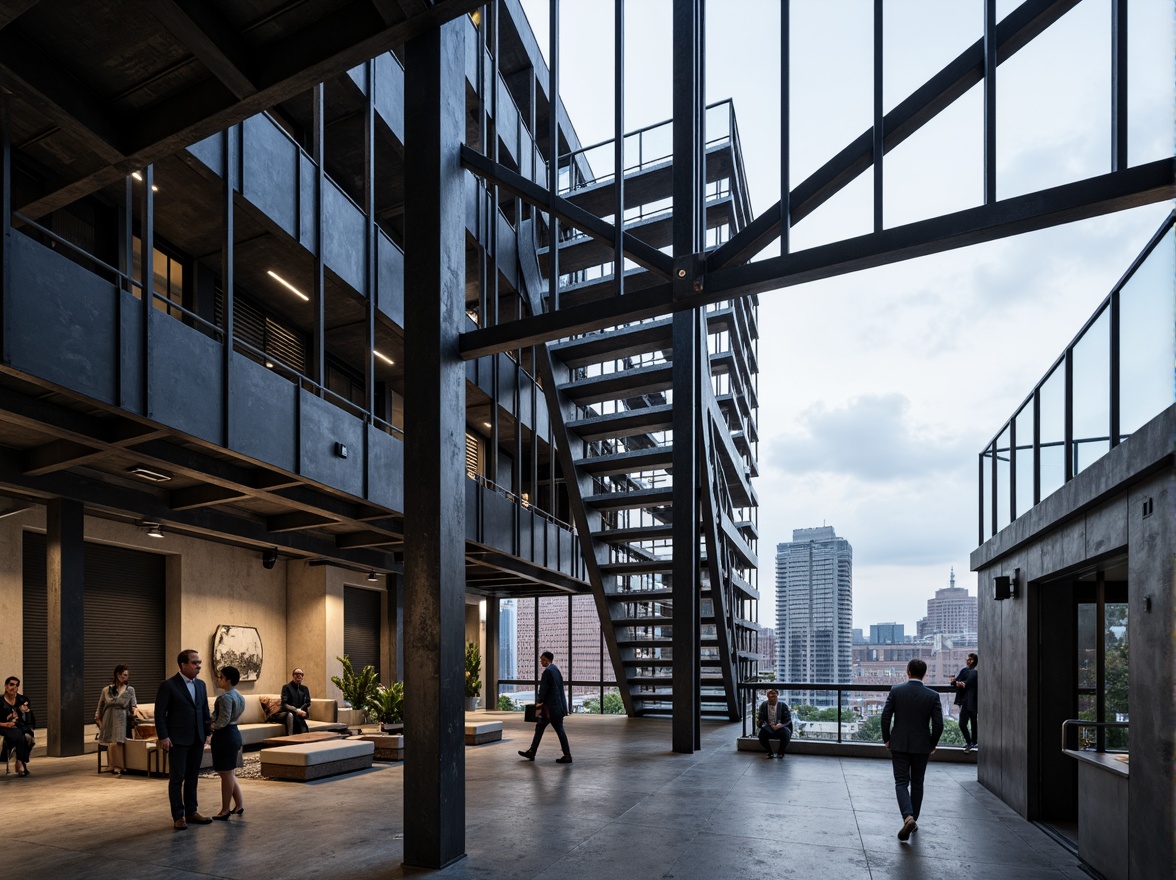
<point x="12" y="586"/>
<point x="1098" y="514"/>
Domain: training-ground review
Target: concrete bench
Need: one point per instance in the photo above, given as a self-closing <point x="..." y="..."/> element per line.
<point x="389" y="746"/>
<point x="479" y="732"/>
<point x="307" y="761"/>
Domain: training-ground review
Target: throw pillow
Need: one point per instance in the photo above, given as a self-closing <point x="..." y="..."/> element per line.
<point x="270" y="706"/>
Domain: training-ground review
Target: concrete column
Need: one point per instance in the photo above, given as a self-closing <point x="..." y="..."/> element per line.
<point x="434" y="449"/>
<point x="490" y="657"/>
<point x="64" y="570"/>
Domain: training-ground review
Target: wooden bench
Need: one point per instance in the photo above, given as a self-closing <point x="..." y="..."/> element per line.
<point x="315" y="760"/>
<point x="479" y="732"/>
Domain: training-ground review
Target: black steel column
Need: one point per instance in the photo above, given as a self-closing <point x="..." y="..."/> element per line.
<point x="318" y="349"/>
<point x="434" y="449"/>
<point x="688" y="192"/>
<point x="66" y="695"/>
<point x="229" y="142"/>
<point x="5" y="216"/>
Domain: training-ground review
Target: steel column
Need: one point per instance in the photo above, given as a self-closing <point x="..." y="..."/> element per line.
<point x="64" y="521"/>
<point x="434" y="449"/>
<point x="1119" y="156"/>
<point x="879" y="118"/>
<point x="228" y="296"/>
<point x="688" y="245"/>
<point x="491" y="666"/>
<point x="785" y="125"/>
<point x="990" y="61"/>
<point x="618" y="151"/>
<point x="318" y="349"/>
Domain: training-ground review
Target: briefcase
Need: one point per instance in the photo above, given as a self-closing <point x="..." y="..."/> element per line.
<point x="529" y="713"/>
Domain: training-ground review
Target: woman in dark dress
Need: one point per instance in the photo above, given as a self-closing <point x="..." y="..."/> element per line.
<point x="16" y="724"/>
<point x="226" y="741"/>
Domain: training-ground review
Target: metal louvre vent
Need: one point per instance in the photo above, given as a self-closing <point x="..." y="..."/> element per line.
<point x="253" y="326"/>
<point x="473" y="455"/>
<point x="123" y="606"/>
<point x="361" y="627"/>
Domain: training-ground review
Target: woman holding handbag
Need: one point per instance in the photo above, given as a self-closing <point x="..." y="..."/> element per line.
<point x="115" y="717"/>
<point x="16" y="724"/>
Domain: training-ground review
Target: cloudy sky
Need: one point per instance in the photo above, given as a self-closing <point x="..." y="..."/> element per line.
<point x="878" y="389"/>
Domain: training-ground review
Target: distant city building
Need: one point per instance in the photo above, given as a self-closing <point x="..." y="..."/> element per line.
<point x="814" y="611"/>
<point x="886" y="665"/>
<point x="887" y="633"/>
<point x="858" y="638"/>
<point x="767" y="650"/>
<point x="952" y="612"/>
<point x="586" y="643"/>
<point x="507" y="638"/>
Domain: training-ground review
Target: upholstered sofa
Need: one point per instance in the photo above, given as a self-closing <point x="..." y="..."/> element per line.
<point x="254" y="728"/>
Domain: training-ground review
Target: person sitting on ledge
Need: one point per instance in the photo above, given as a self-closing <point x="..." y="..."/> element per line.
<point x="775" y="722"/>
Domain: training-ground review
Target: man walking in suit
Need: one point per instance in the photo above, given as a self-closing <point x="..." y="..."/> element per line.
<point x="551" y="706"/>
<point x="184" y="726"/>
<point x="918" y="723"/>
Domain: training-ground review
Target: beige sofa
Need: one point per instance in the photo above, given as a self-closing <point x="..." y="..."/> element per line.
<point x="254" y="728"/>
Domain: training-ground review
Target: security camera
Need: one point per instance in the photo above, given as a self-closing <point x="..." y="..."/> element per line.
<point x="270" y="557"/>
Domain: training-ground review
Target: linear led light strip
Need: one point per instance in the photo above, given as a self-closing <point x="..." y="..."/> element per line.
<point x="282" y="281"/>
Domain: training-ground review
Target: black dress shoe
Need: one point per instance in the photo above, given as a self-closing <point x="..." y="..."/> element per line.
<point x="528" y="754"/>
<point x="566" y="759"/>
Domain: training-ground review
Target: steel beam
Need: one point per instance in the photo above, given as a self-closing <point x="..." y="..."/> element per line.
<point x="1070" y="202"/>
<point x="64" y="525"/>
<point x="688" y="329"/>
<point x="953" y="81"/>
<point x="434" y="450"/>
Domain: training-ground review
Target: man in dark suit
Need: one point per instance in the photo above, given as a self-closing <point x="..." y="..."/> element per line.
<point x="296" y="702"/>
<point x="918" y="723"/>
<point x="965" y="684"/>
<point x="184" y="726"/>
<point x="551" y="705"/>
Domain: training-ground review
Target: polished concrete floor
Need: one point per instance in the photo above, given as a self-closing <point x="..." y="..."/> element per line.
<point x="628" y="808"/>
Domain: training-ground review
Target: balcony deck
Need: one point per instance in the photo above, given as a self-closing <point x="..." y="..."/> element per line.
<point x="627" y="807"/>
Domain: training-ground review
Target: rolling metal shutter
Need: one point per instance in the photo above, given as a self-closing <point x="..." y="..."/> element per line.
<point x="361" y="627"/>
<point x="124" y="621"/>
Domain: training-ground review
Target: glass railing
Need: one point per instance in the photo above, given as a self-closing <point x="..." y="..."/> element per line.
<point x="840" y="713"/>
<point x="1114" y="377"/>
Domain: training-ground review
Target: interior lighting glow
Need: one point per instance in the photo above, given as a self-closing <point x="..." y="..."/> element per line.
<point x="383" y="357"/>
<point x="137" y="176"/>
<point x="286" y="284"/>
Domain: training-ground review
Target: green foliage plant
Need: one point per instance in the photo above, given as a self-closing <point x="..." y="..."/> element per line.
<point x="505" y="704"/>
<point x="386" y="705"/>
<point x="357" y="688"/>
<point x="473" y="667"/>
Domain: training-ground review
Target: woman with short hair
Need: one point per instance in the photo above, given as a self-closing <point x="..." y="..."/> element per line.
<point x="226" y="741"/>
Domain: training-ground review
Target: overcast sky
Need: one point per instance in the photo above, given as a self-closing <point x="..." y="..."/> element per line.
<point x="879" y="389"/>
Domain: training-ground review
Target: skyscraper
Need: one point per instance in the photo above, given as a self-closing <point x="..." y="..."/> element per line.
<point x="507" y="639"/>
<point x="952" y="612"/>
<point x="814" y="611"/>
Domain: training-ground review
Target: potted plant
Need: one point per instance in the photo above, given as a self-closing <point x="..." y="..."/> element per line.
<point x="386" y="705"/>
<point x="357" y="689"/>
<point x="473" y="667"/>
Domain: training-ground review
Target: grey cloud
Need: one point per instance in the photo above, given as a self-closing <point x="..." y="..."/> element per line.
<point x="871" y="439"/>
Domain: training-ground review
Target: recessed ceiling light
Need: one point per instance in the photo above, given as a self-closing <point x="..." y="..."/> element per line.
<point x="286" y="284"/>
<point x="154" y="188"/>
<point x="486" y="425"/>
<point x="383" y="357"/>
<point x="146" y="474"/>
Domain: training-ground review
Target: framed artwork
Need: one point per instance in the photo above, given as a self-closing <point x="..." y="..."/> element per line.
<point x="238" y="646"/>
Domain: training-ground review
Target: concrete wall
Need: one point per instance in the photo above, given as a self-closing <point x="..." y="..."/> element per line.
<point x="1099" y="514"/>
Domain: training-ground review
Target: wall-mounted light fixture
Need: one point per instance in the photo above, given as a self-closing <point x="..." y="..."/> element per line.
<point x="341" y="450"/>
<point x="372" y="576"/>
<point x="269" y="558"/>
<point x="1005" y="586"/>
<point x="153" y="530"/>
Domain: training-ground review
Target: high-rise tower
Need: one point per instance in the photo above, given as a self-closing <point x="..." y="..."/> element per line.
<point x="814" y="611"/>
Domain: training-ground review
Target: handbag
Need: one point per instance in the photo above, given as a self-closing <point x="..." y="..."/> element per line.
<point x="529" y="713"/>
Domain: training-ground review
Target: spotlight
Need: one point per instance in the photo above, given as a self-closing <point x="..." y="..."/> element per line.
<point x="372" y="576"/>
<point x="153" y="530"/>
<point x="270" y="557"/>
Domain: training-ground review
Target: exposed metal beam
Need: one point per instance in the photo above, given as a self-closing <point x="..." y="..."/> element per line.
<point x="99" y="496"/>
<point x="59" y="455"/>
<point x="954" y="80"/>
<point x="1081" y="200"/>
<point x="205" y="495"/>
<point x="284" y="70"/>
<point x="38" y="79"/>
<point x="211" y="39"/>
<point x="297" y="521"/>
<point x="14" y="9"/>
<point x="573" y="215"/>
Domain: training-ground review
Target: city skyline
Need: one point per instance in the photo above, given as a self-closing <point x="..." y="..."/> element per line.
<point x="874" y="403"/>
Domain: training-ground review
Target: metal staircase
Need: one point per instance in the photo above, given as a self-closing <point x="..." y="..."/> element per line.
<point x="611" y="397"/>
